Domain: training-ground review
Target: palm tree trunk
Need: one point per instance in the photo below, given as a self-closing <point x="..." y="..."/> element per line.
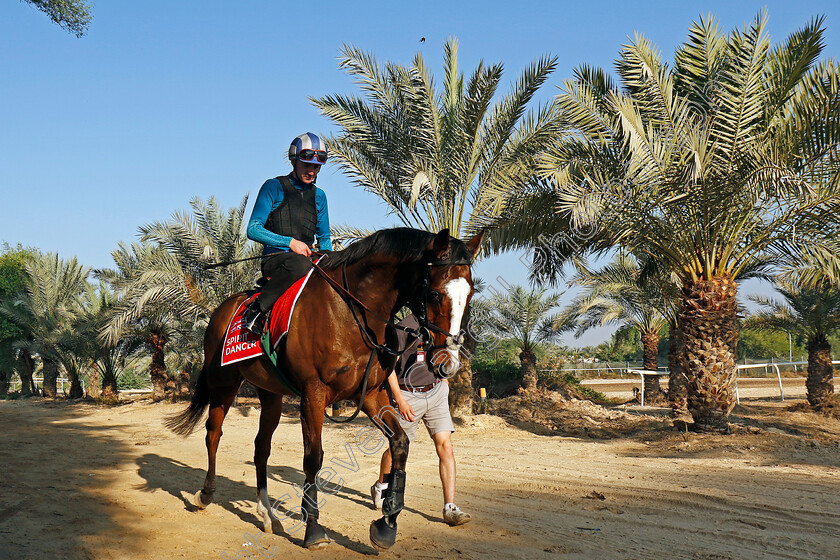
<point x="157" y="368"/>
<point x="184" y="381"/>
<point x="676" y="379"/>
<point x="460" y="384"/>
<point x="650" y="347"/>
<point x="710" y="329"/>
<point x="108" y="382"/>
<point x="109" y="387"/>
<point x="461" y="390"/>
<point x="94" y="381"/>
<point x="50" y="385"/>
<point x="529" y="370"/>
<point x="820" y="382"/>
<point x="25" y="373"/>
<point x="76" y="391"/>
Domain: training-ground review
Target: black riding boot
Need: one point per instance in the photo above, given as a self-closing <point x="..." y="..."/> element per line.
<point x="254" y="318"/>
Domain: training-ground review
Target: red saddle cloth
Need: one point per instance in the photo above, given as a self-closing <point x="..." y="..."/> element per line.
<point x="242" y="344"/>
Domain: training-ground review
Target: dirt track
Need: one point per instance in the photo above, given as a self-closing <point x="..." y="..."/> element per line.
<point x="81" y="481"/>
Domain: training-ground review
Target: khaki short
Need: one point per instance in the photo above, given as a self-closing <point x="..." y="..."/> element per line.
<point x="432" y="407"/>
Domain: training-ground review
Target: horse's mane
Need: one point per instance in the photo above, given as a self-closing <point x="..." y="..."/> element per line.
<point x="404" y="244"/>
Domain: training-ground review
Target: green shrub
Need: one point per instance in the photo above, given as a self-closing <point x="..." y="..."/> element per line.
<point x="497" y="375"/>
<point x="131" y="379"/>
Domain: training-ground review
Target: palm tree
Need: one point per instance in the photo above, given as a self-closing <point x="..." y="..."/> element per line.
<point x="12" y="282"/>
<point x="812" y="313"/>
<point x="164" y="287"/>
<point x="621" y="293"/>
<point x="186" y="351"/>
<point x="210" y="235"/>
<point x="46" y="310"/>
<point x="724" y="163"/>
<point x="104" y="361"/>
<point x="522" y="316"/>
<point x="144" y="275"/>
<point x="447" y="158"/>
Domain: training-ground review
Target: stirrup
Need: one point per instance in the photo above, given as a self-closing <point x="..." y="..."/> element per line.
<point x="254" y="320"/>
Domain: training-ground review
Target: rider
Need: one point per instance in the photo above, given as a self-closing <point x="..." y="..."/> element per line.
<point x="289" y="213"/>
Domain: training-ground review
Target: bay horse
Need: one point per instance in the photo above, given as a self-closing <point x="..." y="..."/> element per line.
<point x="331" y="342"/>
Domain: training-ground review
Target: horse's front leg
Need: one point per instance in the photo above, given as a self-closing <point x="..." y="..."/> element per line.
<point x="383" y="531"/>
<point x="312" y="405"/>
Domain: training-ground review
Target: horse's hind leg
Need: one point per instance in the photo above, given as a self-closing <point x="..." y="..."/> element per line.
<point x="383" y="532"/>
<point x="271" y="407"/>
<point x="220" y="400"/>
<point x="311" y="421"/>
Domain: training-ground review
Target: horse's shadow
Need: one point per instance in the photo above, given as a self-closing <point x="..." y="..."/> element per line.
<point x="173" y="477"/>
<point x="292" y="476"/>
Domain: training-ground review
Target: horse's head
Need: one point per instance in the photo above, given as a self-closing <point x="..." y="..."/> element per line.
<point x="442" y="299"/>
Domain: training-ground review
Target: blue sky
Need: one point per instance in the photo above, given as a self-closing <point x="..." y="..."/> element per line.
<point x="163" y="101"/>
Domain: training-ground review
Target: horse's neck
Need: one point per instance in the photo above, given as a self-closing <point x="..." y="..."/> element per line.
<point x="379" y="284"/>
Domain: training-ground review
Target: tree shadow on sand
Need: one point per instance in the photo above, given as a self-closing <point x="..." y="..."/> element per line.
<point x="56" y="464"/>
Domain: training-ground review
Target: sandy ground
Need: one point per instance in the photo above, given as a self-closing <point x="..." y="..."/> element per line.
<point x="87" y="481"/>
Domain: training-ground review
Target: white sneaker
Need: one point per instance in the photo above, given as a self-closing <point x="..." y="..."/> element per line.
<point x="454" y="516"/>
<point x="376" y="495"/>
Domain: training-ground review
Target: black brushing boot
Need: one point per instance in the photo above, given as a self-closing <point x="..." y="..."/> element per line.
<point x="383" y="531"/>
<point x="315" y="536"/>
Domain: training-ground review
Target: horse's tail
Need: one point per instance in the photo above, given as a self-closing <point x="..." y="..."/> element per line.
<point x="184" y="423"/>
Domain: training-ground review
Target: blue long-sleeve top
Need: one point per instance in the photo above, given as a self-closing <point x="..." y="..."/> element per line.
<point x="269" y="198"/>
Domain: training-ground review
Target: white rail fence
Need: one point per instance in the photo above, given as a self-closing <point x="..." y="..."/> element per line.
<point x="61" y="382"/>
<point x="773" y="365"/>
<point x="768" y="367"/>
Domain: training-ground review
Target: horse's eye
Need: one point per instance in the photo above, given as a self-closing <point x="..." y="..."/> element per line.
<point x="435" y="297"/>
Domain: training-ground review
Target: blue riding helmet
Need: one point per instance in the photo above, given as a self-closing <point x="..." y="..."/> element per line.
<point x="308" y="148"/>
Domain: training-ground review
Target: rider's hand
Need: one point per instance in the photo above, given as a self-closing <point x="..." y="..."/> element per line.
<point x="300" y="248"/>
<point x="405" y="409"/>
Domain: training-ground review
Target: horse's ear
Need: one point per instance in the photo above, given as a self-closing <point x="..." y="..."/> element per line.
<point x="474" y="243"/>
<point x="440" y="246"/>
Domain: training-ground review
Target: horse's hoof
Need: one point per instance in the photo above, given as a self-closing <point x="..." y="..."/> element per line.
<point x="382" y="535"/>
<point x="271" y="524"/>
<point x="315" y="536"/>
<point x="199" y="503"/>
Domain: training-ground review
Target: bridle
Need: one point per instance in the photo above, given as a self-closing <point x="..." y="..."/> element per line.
<point x="426" y="328"/>
<point x="423" y="332"/>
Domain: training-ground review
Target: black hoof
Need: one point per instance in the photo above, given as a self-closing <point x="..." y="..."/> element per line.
<point x="383" y="535"/>
<point x="315" y="536"/>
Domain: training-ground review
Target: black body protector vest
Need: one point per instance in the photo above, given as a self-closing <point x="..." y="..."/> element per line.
<point x="297" y="215"/>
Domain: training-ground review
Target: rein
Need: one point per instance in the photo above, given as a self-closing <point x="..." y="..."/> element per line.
<point x="362" y="395"/>
<point x="345" y="292"/>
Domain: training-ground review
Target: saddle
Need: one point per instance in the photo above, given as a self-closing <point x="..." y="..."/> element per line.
<point x="241" y="344"/>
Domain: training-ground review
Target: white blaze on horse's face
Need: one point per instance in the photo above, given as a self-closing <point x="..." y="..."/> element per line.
<point x="458" y="291"/>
